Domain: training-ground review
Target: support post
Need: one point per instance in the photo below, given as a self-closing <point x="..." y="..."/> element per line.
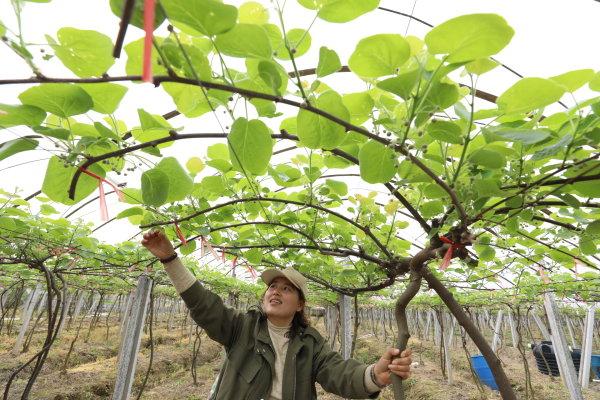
<point x="586" y="348"/>
<point x="497" y="331"/>
<point x="513" y="331"/>
<point x="541" y="326"/>
<point x="447" y="344"/>
<point x="131" y="338"/>
<point x="26" y="314"/>
<point x="571" y="334"/>
<point x="561" y="350"/>
<point x="346" y="325"/>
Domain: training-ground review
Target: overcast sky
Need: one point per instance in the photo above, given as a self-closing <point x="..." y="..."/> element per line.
<point x="551" y="37"/>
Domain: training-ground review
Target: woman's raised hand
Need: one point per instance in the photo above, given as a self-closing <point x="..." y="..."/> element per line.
<point x="157" y="243"/>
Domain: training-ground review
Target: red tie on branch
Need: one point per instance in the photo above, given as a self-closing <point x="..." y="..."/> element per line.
<point x="149" y="6"/>
<point x="449" y="252"/>
<point x="103" y="208"/>
<point x="182" y="238"/>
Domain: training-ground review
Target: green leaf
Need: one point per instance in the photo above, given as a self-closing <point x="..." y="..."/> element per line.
<point x="58" y="180"/>
<point x="593" y="229"/>
<point x="129" y="212"/>
<point x="432" y="208"/>
<point x="153" y="123"/>
<point x="218" y="151"/>
<point x="60" y="99"/>
<point x="317" y="132"/>
<point x="487" y="187"/>
<point x="595" y="83"/>
<point x="443" y="95"/>
<point x="268" y="72"/>
<point x="2" y="29"/>
<point x="104" y="131"/>
<point x="213" y="184"/>
<point x="137" y="17"/>
<point x="58" y="133"/>
<point x="340" y="10"/>
<point x="190" y="61"/>
<point x="252" y="12"/>
<point x="553" y="149"/>
<point x="191" y="101"/>
<point x="588" y="189"/>
<point x="188" y="248"/>
<point x="180" y="183"/>
<point x="106" y="96"/>
<point x="401" y="85"/>
<point x="15" y="146"/>
<point x="245" y="40"/>
<point x="329" y="62"/>
<point x="445" y="131"/>
<point x="255" y="70"/>
<point x="299" y="42"/>
<point x="377" y="162"/>
<point x="525" y="136"/>
<point x="210" y="17"/>
<point x="573" y="80"/>
<point x="469" y="37"/>
<point x="379" y="55"/>
<point x="250" y="146"/>
<point x="254" y="256"/>
<point x="135" y="52"/>
<point x="337" y="187"/>
<point x="194" y="165"/>
<point x="85" y="52"/>
<point x="360" y="105"/>
<point x="587" y="245"/>
<point x="47" y="209"/>
<point x="481" y="66"/>
<point x="155" y="187"/>
<point x="20" y="115"/>
<point x="487" y="158"/>
<point x="529" y="94"/>
<point x="484" y="252"/>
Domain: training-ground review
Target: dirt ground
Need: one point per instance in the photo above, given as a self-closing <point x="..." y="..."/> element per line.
<point x="91" y="370"/>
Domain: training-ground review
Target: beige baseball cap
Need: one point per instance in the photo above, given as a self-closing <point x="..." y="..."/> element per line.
<point x="290" y="274"/>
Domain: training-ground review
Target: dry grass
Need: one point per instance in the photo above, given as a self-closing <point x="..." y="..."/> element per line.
<point x="91" y="372"/>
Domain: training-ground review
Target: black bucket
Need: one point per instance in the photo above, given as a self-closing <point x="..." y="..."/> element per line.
<point x="545" y="359"/>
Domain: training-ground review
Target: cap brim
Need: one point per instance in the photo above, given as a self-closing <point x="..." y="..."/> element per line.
<point x="270" y="274"/>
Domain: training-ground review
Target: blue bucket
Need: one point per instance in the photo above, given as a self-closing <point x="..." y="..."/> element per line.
<point x="483" y="371"/>
<point x="596" y="364"/>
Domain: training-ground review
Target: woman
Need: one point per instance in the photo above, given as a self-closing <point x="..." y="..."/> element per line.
<point x="273" y="354"/>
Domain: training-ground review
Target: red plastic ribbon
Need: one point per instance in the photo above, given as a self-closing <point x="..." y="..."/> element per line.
<point x="182" y="238"/>
<point x="543" y="275"/>
<point x="578" y="263"/>
<point x="449" y="252"/>
<point x="149" y="6"/>
<point x="101" y="180"/>
<point x="204" y="242"/>
<point x="251" y="270"/>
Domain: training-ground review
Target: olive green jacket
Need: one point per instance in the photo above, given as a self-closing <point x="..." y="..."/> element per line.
<point x="247" y="370"/>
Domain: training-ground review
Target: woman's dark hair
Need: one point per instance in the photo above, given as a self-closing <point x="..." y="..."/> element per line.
<point x="300" y="320"/>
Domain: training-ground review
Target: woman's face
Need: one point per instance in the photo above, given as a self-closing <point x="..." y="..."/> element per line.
<point x="282" y="299"/>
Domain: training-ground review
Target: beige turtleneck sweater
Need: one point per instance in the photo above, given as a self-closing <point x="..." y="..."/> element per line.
<point x="183" y="279"/>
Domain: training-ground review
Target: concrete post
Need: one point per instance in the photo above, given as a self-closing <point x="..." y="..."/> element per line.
<point x="586" y="348"/>
<point x="561" y="350"/>
<point x="26" y="314"/>
<point x="131" y="338"/>
<point x="346" y="325"/>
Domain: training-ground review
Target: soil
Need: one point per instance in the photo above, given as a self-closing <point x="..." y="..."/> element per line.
<point x="92" y="365"/>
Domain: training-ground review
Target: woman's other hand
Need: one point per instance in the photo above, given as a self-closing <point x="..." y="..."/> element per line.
<point x="390" y="363"/>
<point x="157" y="243"/>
